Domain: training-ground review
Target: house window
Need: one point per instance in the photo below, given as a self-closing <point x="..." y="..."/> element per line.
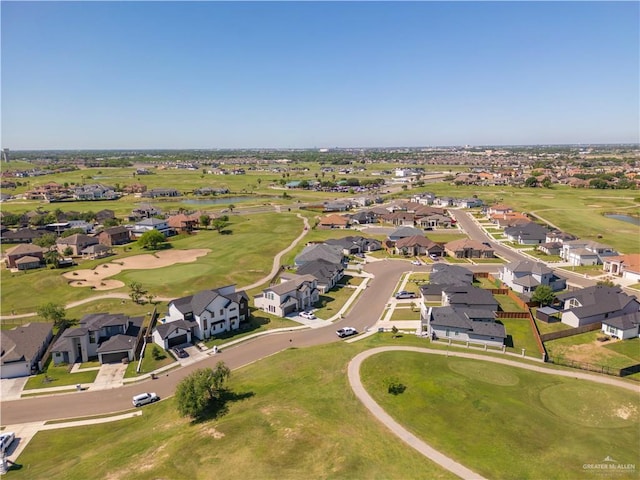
<point x="92" y="337"/>
<point x="221" y="312"/>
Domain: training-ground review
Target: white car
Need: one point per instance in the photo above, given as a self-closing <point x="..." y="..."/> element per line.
<point x="433" y="256"/>
<point x="346" y="332"/>
<point x="308" y="315"/>
<point x="6" y="439"/>
<point x="416" y="262"/>
<point x="144" y="398"/>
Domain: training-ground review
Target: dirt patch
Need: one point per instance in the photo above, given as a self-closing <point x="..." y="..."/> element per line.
<point x="96" y="278"/>
<point x="592" y="352"/>
<point x="212" y="432"/>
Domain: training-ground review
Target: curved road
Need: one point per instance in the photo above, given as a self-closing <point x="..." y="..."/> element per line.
<point x="424" y="448"/>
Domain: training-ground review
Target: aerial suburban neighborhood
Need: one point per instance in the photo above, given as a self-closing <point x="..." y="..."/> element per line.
<point x="320" y="240"/>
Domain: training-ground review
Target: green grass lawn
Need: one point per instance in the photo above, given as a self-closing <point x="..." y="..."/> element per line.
<point x="591" y="270"/>
<point x="508" y="304"/>
<point x="520" y="335"/>
<point x="149" y="364"/>
<point x="58" y="377"/>
<point x="629" y="348"/>
<point x="332" y="301"/>
<point x="260" y="321"/>
<point x="405" y="314"/>
<point x="544" y="327"/>
<point x="506" y="423"/>
<point x="296" y="417"/>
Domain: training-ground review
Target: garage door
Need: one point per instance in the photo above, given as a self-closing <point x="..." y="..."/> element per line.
<point x="114" y="357"/>
<point x="177" y="340"/>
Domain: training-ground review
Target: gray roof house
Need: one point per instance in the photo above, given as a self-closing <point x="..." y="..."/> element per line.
<point x="403" y="232"/>
<point x="110" y="337"/>
<point x="467" y="296"/>
<point x="528" y="234"/>
<point x="464" y="325"/>
<point x="443" y="274"/>
<point x="622" y="327"/>
<point x="210" y="312"/>
<point x="355" y="244"/>
<point x="319" y="251"/>
<point x="22" y="347"/>
<point x="525" y="276"/>
<point x="294" y="293"/>
<point x="598" y="303"/>
<point x="174" y="333"/>
<point x="326" y="273"/>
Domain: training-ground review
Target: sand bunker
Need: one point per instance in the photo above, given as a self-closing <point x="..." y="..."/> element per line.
<point x="97" y="278"/>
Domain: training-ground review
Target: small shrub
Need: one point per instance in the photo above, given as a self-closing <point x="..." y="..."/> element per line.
<point x="396" y="388"/>
<point x="156" y="353"/>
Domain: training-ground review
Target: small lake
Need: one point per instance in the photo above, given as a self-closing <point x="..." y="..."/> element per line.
<point x="624" y="218"/>
<point x="224" y="200"/>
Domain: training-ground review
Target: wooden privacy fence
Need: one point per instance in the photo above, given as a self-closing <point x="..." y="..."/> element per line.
<point x="571" y="331"/>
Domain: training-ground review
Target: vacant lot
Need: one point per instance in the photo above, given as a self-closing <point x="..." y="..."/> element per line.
<point x="587" y="349"/>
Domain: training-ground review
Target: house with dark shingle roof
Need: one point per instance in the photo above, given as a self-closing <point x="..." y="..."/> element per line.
<point x="468" y="296"/>
<point x="525" y="276"/>
<point x="622" y="327"/>
<point x="326" y="273"/>
<point x="403" y="232"/>
<point x="319" y="251"/>
<point x="527" y="234"/>
<point x="418" y="245"/>
<point x="464" y="325"/>
<point x="22" y="347"/>
<point x="294" y="294"/>
<point x="354" y="244"/>
<point x="174" y="333"/>
<point x="598" y="303"/>
<point x="210" y="312"/>
<point x="118" y="235"/>
<point x="112" y="337"/>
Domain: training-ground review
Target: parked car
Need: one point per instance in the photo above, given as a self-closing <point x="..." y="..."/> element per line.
<point x="6" y="439"/>
<point x="404" y="294"/>
<point x="308" y="315"/>
<point x="144" y="398"/>
<point x="179" y="352"/>
<point x="433" y="256"/>
<point x="416" y="262"/>
<point x="346" y="332"/>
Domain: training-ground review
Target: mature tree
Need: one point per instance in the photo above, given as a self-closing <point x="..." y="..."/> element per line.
<point x="68" y="251"/>
<point x="45" y="241"/>
<point x="231" y="207"/>
<point x="151" y="239"/>
<point x="531" y="182"/>
<point x="543" y="294"/>
<point x="51" y="257"/>
<point x="205" y="220"/>
<point x="219" y="224"/>
<point x="196" y="391"/>
<point x="137" y="292"/>
<point x="53" y="312"/>
<point x="111" y="222"/>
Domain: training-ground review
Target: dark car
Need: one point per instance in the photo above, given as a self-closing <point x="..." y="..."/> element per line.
<point x="180" y="352"/>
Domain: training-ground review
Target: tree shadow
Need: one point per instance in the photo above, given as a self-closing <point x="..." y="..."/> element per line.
<point x="218" y="407"/>
<point x="509" y="341"/>
<point x="226" y="232"/>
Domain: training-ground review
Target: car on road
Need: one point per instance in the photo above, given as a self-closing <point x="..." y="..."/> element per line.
<point x="346" y="332"/>
<point x="144" y="398"/>
<point x="180" y="352"/>
<point x="416" y="262"/>
<point x="6" y="439"/>
<point x="308" y="315"/>
<point x="404" y="294"/>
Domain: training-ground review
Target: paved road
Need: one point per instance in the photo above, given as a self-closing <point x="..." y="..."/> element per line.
<point x="364" y="313"/>
<point x="424" y="448"/>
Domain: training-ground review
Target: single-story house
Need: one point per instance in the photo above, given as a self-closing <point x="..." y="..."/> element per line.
<point x="326" y="273"/>
<point x="468" y="248"/>
<point x="528" y="234"/>
<point x="595" y="304"/>
<point x="22" y="348"/>
<point x="334" y="221"/>
<point x="320" y="251"/>
<point x="148" y="224"/>
<point x="403" y="232"/>
<point x="464" y="325"/>
<point x="625" y="266"/>
<point x="96" y="251"/>
<point x="622" y="327"/>
<point x="418" y="245"/>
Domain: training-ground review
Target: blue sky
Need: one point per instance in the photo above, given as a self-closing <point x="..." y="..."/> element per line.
<point x="326" y="74"/>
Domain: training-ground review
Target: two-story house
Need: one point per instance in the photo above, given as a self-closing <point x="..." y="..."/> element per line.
<point x="293" y="295"/>
<point x="525" y="276"/>
<point x="110" y="337"/>
<point x="209" y="312"/>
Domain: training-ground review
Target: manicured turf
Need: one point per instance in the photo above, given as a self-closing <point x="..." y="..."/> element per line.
<point x="629" y="348"/>
<point x="296" y="418"/>
<point x="58" y="377"/>
<point x="506" y="423"/>
<point x="520" y="335"/>
<point x="586" y="349"/>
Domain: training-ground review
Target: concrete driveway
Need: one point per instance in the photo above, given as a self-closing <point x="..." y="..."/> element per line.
<point x="109" y="376"/>
<point x="11" y="388"/>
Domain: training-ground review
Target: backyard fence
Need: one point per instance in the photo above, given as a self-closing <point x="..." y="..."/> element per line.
<point x="571" y="331"/>
<point x="592" y="367"/>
